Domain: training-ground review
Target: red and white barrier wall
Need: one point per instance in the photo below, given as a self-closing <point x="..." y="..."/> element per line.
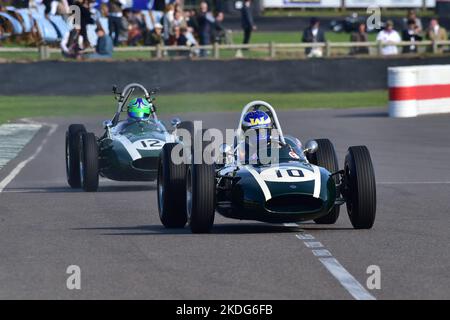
<point x="418" y="90"/>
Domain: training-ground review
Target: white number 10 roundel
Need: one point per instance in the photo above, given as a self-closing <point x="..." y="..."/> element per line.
<point x="287" y="174"/>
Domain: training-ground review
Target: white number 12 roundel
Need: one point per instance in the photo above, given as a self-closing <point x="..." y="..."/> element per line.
<point x="148" y="144"/>
<point x="287" y="174"/>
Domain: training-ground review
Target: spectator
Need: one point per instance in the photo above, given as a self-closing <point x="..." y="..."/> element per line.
<point x="219" y="31"/>
<point x="314" y="34"/>
<point x="156" y="37"/>
<point x="205" y="21"/>
<point x="412" y="15"/>
<point x="115" y="19"/>
<point x="85" y="19"/>
<point x="389" y="36"/>
<point x="247" y="22"/>
<point x="167" y="21"/>
<point x="411" y="34"/>
<point x="359" y="36"/>
<point x="178" y="38"/>
<point x="436" y="33"/>
<point x="191" y="20"/>
<point x="134" y="28"/>
<point x="178" y="19"/>
<point x="104" y="47"/>
<point x="72" y="43"/>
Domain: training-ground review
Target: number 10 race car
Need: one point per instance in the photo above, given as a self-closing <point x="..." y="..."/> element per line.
<point x="304" y="183"/>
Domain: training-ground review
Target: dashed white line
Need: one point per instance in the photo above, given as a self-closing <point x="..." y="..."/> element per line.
<point x="313" y="244"/>
<point x="334" y="267"/>
<point x="321" y="253"/>
<point x="346" y="279"/>
<point x="22" y="164"/>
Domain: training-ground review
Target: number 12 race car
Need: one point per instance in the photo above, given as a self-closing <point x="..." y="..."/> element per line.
<point x="304" y="184"/>
<point x="127" y="151"/>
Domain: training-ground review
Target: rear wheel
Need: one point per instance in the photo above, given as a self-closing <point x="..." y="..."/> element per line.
<point x="89" y="162"/>
<point x="325" y="157"/>
<point x="360" y="187"/>
<point x="171" y="189"/>
<point x="73" y="136"/>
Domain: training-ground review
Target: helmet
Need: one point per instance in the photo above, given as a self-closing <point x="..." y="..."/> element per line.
<point x="256" y="126"/>
<point x="256" y="119"/>
<point x="139" y="109"/>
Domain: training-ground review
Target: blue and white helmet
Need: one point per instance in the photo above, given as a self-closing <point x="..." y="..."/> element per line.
<point x="256" y="119"/>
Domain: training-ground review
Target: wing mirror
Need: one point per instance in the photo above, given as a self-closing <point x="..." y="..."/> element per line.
<point x="225" y="154"/>
<point x="225" y="150"/>
<point x="107" y="124"/>
<point x="311" y="146"/>
<point x="175" y="122"/>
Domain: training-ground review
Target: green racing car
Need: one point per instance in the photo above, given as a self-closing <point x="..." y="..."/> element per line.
<point x="127" y="151"/>
<point x="302" y="183"/>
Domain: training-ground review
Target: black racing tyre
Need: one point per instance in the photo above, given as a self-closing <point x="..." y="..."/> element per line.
<point x="171" y="187"/>
<point x="73" y="136"/>
<point x="325" y="157"/>
<point x="89" y="162"/>
<point x="200" y="197"/>
<point x="360" y="187"/>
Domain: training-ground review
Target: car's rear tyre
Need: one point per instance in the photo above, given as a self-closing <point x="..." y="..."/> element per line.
<point x="325" y="157"/>
<point x="360" y="187"/>
<point x="200" y="197"/>
<point x="89" y="162"/>
<point x="72" y="151"/>
<point x="171" y="187"/>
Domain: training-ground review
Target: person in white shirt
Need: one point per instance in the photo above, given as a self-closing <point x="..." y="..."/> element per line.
<point x="389" y="36"/>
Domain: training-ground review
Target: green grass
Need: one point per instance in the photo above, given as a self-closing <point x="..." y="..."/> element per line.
<point x="292" y="37"/>
<point x="314" y="12"/>
<point x="14" y="107"/>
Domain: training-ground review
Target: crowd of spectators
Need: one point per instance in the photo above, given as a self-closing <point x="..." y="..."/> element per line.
<point x="175" y="27"/>
<point x="169" y="24"/>
<point x="412" y="31"/>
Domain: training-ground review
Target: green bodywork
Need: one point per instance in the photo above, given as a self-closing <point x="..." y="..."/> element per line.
<point x="130" y="150"/>
<point x="268" y="193"/>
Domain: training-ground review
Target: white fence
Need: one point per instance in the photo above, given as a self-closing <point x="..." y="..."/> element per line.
<point x="362" y="4"/>
<point x="270" y="50"/>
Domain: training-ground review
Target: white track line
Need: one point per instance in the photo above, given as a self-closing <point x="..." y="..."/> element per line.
<point x="412" y="182"/>
<point x="346" y="279"/>
<point x="333" y="266"/>
<point x="10" y="177"/>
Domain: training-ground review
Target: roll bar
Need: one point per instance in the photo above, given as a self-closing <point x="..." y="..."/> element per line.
<point x="122" y="97"/>
<point x="272" y="111"/>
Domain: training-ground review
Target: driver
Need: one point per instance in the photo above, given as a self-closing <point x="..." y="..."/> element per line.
<point x="139" y="109"/>
<point x="256" y="127"/>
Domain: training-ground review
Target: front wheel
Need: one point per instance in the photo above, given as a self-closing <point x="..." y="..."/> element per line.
<point x="72" y="148"/>
<point x="200" y="197"/>
<point x="171" y="189"/>
<point x="325" y="157"/>
<point x="89" y="162"/>
<point x="360" y="187"/>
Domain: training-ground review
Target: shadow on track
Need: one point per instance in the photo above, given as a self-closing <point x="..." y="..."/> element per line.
<point x="69" y="190"/>
<point x="226" y="228"/>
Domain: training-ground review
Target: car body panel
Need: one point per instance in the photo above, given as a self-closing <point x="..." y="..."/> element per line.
<point x="131" y="151"/>
<point x="289" y="191"/>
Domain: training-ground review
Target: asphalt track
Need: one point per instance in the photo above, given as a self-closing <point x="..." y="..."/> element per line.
<point x="116" y="238"/>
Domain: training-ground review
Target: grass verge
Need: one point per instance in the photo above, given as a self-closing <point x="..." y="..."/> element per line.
<point x="15" y="107"/>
